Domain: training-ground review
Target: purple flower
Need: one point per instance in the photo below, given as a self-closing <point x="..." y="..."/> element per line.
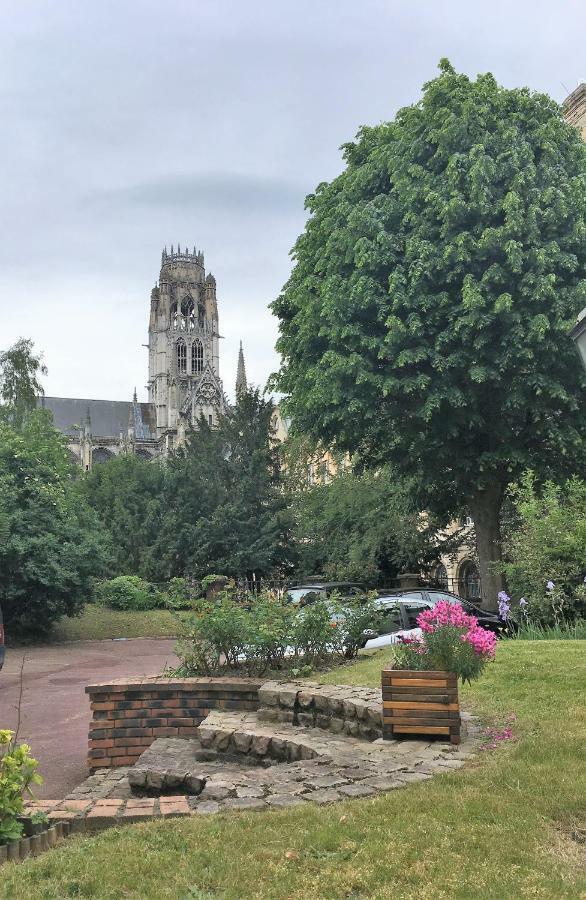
<point x="550" y="585"/>
<point x="504" y="605"/>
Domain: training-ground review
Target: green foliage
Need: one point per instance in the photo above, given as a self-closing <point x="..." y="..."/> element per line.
<point x="50" y="546"/>
<point x="211" y="579"/>
<point x="180" y="593"/>
<point x="363" y="527"/>
<point x="128" y="495"/>
<point x="18" y="771"/>
<point x="564" y="631"/>
<point x="19" y="381"/>
<point x="226" y="510"/>
<point x="546" y="542"/>
<point x="266" y="634"/>
<point x="425" y="322"/>
<point x="127" y="592"/>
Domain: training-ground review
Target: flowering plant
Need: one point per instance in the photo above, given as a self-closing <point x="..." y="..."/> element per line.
<point x="451" y="641"/>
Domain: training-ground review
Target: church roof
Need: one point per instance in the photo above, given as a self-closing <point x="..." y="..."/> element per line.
<point x="108" y="418"/>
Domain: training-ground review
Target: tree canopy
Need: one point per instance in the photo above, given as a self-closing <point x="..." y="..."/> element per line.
<point x="425" y="321"/>
<point x="19" y="380"/>
<point x="50" y="543"/>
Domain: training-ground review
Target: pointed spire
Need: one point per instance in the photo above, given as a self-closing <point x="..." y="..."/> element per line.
<point x="134" y="397"/>
<point x="241" y="383"/>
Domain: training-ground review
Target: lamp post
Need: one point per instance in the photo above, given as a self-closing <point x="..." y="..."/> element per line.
<point x="578" y="334"/>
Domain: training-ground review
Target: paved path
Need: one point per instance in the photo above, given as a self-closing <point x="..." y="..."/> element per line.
<point x="55" y="710"/>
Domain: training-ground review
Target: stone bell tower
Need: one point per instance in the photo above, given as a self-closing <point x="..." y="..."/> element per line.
<point x="184" y="358"/>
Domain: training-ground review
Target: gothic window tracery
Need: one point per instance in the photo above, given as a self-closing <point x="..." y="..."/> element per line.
<point x="197" y="357"/>
<point x="188" y="314"/>
<point x="174" y="316"/>
<point x="201" y="314"/>
<point x="181" y="356"/>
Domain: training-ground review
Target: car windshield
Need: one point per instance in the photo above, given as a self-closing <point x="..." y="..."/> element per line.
<point x="297" y="595"/>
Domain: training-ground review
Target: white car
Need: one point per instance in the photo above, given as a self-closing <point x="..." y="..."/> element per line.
<point x="399" y="620"/>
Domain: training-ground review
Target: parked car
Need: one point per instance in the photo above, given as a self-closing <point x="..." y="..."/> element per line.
<point x="486" y="619"/>
<point x="2" y="648"/>
<point x="398" y="619"/>
<point x="311" y="592"/>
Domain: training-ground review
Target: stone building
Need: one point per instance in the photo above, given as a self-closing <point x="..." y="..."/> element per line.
<point x="184" y="382"/>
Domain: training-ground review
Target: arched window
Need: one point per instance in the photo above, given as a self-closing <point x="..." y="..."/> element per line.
<point x="173" y="316"/>
<point x="201" y="314"/>
<point x="196" y="357"/>
<point x="469" y="581"/>
<point x="440" y="576"/>
<point x="181" y="356"/>
<point x="188" y="313"/>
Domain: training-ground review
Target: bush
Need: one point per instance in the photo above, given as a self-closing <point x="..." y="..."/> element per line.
<point x="265" y="634"/>
<point x="180" y="594"/>
<point x="51" y="547"/>
<point x="18" y="771"/>
<point x="546" y="545"/>
<point x="127" y="592"/>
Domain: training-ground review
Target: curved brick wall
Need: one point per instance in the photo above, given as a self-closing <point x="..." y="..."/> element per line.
<point x="129" y="714"/>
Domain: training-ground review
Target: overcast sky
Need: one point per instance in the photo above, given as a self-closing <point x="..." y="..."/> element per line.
<point x="132" y="124"/>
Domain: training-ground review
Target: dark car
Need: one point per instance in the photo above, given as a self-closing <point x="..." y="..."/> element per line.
<point x="311" y="592"/>
<point x="2" y="650"/>
<point x="486" y="619"/>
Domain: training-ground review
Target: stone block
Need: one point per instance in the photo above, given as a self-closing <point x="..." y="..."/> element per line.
<point x="305" y="699"/>
<point x="194" y="783"/>
<point x="287" y="698"/>
<point x="305" y="719"/>
<point x="322" y="721"/>
<point x="287" y="716"/>
<point x="337" y="725"/>
<point x="268" y="694"/>
<point x="260" y="744"/>
<point x="349" y="709"/>
<point x="242" y="741"/>
<point x="351" y="728"/>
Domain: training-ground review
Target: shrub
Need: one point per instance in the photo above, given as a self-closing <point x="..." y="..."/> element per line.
<point x="18" y="771"/>
<point x="452" y="641"/>
<point x="547" y="545"/>
<point x="127" y="592"/>
<point x="264" y="633"/>
<point x="180" y="594"/>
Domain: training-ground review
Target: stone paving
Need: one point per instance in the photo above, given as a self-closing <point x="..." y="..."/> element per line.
<point x="240" y="761"/>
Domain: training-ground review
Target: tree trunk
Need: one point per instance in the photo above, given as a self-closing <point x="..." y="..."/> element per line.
<point x="485" y="509"/>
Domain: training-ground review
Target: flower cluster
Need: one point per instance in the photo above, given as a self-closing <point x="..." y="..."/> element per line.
<point x="483" y="641"/>
<point x="444" y="613"/>
<point x="494" y="736"/>
<point x="504" y="605"/>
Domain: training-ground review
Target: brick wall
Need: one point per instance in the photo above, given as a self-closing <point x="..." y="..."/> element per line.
<point x="129" y="714"/>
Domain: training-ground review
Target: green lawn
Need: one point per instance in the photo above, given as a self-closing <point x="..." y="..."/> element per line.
<point x="500" y="828"/>
<point x="98" y="622"/>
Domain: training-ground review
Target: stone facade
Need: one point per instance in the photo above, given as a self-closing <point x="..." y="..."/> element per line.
<point x="184" y="382"/>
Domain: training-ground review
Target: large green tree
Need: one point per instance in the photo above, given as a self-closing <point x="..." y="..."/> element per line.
<point x="363" y="527"/>
<point x="128" y="496"/>
<point x="50" y="543"/>
<point x="20" y="369"/>
<point x="226" y="507"/>
<point x="425" y="321"/>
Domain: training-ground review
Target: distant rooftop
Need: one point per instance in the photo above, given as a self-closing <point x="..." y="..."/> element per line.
<point x="108" y="418"/>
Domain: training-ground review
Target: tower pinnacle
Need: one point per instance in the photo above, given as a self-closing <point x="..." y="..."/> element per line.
<point x="241" y="383"/>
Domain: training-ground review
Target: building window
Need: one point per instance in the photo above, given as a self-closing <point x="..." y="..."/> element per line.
<point x="181" y="356"/>
<point x="197" y="357"/>
<point x="469" y="581"/>
<point x="440" y="576"/>
<point x="188" y="314"/>
<point x="210" y="419"/>
<point x="201" y="315"/>
<point x="173" y="317"/>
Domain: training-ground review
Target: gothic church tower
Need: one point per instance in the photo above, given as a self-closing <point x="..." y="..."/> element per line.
<point x="184" y="359"/>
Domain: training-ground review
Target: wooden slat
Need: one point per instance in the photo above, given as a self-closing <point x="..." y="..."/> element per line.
<point x="413" y="673"/>
<point x="423" y="724"/>
<point x="423" y="697"/>
<point x="420" y="682"/>
<point x="441" y="714"/>
<point x="396" y="704"/>
<point x="411" y="729"/>
<point x="415" y="689"/>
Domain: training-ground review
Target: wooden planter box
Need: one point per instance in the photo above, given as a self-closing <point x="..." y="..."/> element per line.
<point x="420" y="703"/>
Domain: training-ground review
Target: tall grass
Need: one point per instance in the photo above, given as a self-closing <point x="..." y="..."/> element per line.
<point x="564" y="631"/>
